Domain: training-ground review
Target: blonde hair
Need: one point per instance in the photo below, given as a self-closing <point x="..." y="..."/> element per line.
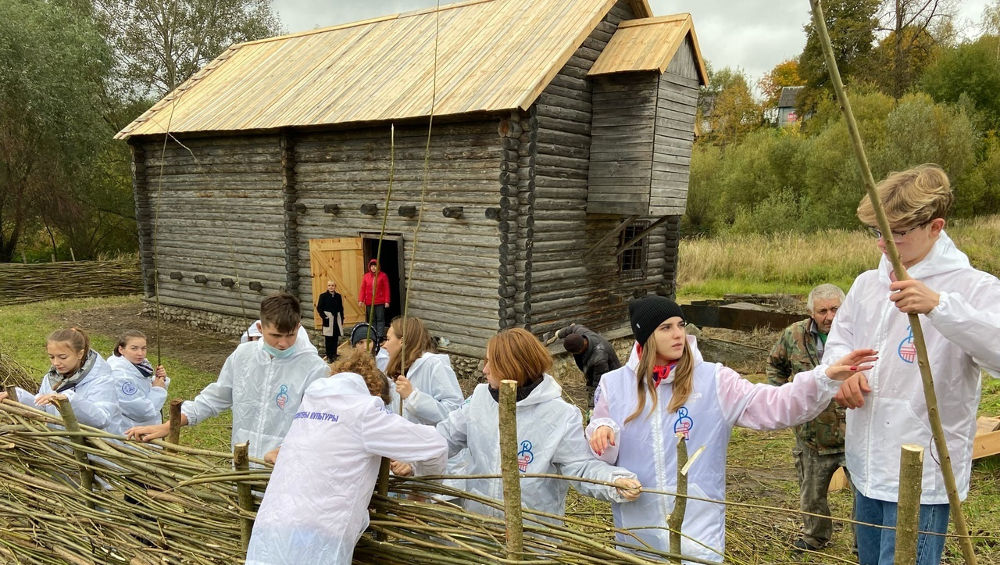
<point x="416" y="341"/>
<point x="359" y="361"/>
<point x="515" y="354"/>
<point x="682" y="383"/>
<point x="911" y="198"/>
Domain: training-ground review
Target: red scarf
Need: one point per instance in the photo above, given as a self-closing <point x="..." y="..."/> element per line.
<point x="660" y="372"/>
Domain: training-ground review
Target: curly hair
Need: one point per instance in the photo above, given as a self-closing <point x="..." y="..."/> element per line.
<point x="360" y="361"/>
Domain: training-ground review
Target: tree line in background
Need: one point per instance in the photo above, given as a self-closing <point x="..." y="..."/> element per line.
<point x="72" y="74"/>
<point x="919" y="92"/>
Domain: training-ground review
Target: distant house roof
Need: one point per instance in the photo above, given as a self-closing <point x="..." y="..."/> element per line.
<point x="491" y="55"/>
<point x="789" y="95"/>
<point x="648" y="44"/>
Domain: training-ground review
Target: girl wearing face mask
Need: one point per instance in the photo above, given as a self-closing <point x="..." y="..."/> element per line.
<point x="141" y="389"/>
<point x="666" y="391"/>
<point x="80" y="376"/>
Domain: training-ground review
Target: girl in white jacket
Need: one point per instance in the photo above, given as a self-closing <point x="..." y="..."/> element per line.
<point x="141" y="389"/>
<point x="425" y="381"/>
<point x="549" y="432"/>
<point x="316" y="504"/>
<point x="668" y="390"/>
<point x="78" y="375"/>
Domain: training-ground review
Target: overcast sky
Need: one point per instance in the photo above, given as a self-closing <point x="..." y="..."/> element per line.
<point x="754" y="35"/>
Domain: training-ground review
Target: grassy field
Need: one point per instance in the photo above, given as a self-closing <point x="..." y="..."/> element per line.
<point x="794" y="263"/>
<point x="760" y="468"/>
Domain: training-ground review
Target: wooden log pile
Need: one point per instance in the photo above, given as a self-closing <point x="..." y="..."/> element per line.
<point x="182" y="505"/>
<point x="21" y="283"/>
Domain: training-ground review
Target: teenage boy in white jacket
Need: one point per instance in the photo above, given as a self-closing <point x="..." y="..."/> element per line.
<point x="316" y="504"/>
<point x="959" y="310"/>
<point x="262" y="381"/>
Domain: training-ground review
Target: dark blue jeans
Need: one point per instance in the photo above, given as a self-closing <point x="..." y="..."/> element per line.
<point x="876" y="546"/>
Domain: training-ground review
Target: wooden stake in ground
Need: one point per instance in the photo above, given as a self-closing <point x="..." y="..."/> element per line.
<point x="241" y="462"/>
<point x="509" y="470"/>
<point x="73" y="426"/>
<point x="676" y="519"/>
<point x="911" y="475"/>
<point x="174" y="435"/>
<point x="923" y="362"/>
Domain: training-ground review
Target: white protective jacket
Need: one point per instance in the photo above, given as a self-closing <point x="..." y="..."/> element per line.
<point x="140" y="402"/>
<point x="961" y="337"/>
<point x="647" y="445"/>
<point x="435" y="390"/>
<point x="550" y="440"/>
<point x="263" y="392"/>
<point x="93" y="398"/>
<point x="316" y="504"/>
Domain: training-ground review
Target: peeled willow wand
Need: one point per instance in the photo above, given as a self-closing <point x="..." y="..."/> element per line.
<point x="961" y="527"/>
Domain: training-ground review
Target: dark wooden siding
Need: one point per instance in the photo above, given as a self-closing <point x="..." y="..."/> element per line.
<point x="455" y="280"/>
<point x="216" y="210"/>
<point x="566" y="286"/>
<point x="621" y="154"/>
<point x="675" y="115"/>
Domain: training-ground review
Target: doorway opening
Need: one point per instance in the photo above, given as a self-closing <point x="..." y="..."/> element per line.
<point x="391" y="263"/>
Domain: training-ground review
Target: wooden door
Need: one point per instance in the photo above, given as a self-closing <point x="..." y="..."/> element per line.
<point x="342" y="261"/>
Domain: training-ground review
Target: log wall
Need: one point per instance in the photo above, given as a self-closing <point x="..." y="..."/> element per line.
<point x="674" y="134"/>
<point x="621" y="153"/>
<point x="455" y="286"/>
<point x="219" y="205"/>
<point x="566" y="286"/>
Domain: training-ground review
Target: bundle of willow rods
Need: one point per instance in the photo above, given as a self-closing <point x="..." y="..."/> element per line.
<point x="175" y="504"/>
<point x="21" y="283"/>
<point x="13" y="373"/>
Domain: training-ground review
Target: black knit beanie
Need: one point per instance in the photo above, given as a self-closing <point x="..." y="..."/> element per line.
<point x="648" y="312"/>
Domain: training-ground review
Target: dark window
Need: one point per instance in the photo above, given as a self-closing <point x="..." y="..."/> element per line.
<point x="632" y="262"/>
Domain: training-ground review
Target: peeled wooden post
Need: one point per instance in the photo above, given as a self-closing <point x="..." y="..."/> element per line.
<point x="11" y="391"/>
<point x="509" y="469"/>
<point x="676" y="519"/>
<point x="911" y="474"/>
<point x="72" y="425"/>
<point x="174" y="436"/>
<point x="930" y="395"/>
<point x="241" y="462"/>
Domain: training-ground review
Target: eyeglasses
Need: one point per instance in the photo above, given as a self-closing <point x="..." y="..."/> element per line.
<point x="896" y="235"/>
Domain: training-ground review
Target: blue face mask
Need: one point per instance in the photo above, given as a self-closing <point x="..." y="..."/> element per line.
<point x="275" y="352"/>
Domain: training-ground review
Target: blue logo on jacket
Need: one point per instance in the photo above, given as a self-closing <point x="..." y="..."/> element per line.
<point x="128" y="389"/>
<point x="684" y="423"/>
<point x="282" y="398"/>
<point x="525" y="456"/>
<point x="907" y="351"/>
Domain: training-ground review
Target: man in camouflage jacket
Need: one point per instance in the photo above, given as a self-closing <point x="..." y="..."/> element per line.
<point x="819" y="444"/>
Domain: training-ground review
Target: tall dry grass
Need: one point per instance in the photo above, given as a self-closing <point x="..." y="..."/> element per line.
<point x="793" y="262"/>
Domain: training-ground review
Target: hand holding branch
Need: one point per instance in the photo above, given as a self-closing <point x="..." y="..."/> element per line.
<point x="628" y="488"/>
<point x="913" y="297"/>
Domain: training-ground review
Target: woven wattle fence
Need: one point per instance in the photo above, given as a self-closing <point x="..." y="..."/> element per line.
<point x="174" y="504"/>
<point x="21" y="283"/>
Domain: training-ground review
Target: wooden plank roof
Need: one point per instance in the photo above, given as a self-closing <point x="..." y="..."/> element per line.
<point x="648" y="44"/>
<point x="491" y="55"/>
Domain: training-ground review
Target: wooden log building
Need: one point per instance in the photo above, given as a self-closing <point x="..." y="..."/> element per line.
<point x="557" y="173"/>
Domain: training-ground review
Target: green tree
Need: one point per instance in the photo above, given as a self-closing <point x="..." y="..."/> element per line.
<point x="971" y="70"/>
<point x="852" y="25"/>
<point x="734" y="112"/>
<point x="158" y="44"/>
<point x="52" y="69"/>
<point x="785" y="73"/>
<point x="912" y="28"/>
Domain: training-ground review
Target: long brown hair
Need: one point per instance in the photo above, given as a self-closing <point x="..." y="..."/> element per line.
<point x="75" y="338"/>
<point x="416" y="341"/>
<point x="682" y="383"/>
<point x="516" y="354"/>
